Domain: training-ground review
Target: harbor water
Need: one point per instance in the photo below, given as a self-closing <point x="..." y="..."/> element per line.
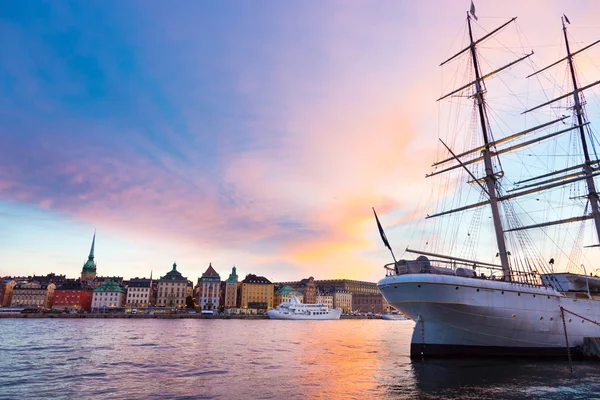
<point x="257" y="359"/>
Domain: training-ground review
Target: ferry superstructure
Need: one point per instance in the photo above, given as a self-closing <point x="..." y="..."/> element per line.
<point x="296" y="310"/>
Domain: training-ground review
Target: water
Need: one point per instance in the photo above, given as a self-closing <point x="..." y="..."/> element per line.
<point x="256" y="359"/>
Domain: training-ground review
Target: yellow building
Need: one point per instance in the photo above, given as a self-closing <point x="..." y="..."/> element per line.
<point x="6" y="291"/>
<point x="33" y="294"/>
<point x="256" y="292"/>
<point x="342" y="299"/>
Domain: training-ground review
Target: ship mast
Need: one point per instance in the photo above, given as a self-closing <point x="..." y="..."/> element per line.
<point x="587" y="168"/>
<point x="490" y="179"/>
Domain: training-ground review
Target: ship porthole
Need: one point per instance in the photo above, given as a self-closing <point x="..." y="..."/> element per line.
<point x="456" y="288"/>
<point x="518" y="294"/>
<point x="551" y="319"/>
<point x="503" y="292"/>
<point x="418" y="285"/>
<point x="582" y="321"/>
<point x="478" y="290"/>
<point x="534" y="295"/>
<point x="569" y="319"/>
<point x="541" y="318"/>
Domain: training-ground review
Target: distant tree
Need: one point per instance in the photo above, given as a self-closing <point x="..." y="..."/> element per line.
<point x="189" y="302"/>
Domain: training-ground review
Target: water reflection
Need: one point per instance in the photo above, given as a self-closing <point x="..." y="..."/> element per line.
<point x="239" y="359"/>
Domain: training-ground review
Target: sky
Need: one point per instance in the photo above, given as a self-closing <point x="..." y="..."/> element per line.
<point x="256" y="134"/>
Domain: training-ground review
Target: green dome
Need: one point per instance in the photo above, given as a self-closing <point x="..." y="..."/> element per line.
<point x="110" y="286"/>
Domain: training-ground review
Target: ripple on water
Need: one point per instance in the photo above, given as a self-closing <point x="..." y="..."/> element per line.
<point x="242" y="359"/>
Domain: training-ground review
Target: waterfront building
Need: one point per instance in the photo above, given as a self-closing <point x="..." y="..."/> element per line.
<point x="256" y="292"/>
<point x="189" y="289"/>
<point x="325" y="298"/>
<point x="172" y="289"/>
<point x="307" y="287"/>
<point x="88" y="273"/>
<point x="284" y="295"/>
<point x="369" y="303"/>
<point x="370" y="299"/>
<point x="108" y="295"/>
<point x="354" y="287"/>
<point x="140" y="292"/>
<point x="342" y="299"/>
<point x="231" y="290"/>
<point x="73" y="295"/>
<point x="50" y="278"/>
<point x="99" y="280"/>
<point x="6" y="289"/>
<point x="33" y="294"/>
<point x="208" y="288"/>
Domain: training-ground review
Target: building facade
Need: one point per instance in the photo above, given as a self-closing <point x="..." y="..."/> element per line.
<point x="108" y="295"/>
<point x="342" y="299"/>
<point x="6" y="290"/>
<point x="58" y="280"/>
<point x="284" y="295"/>
<point x="231" y="290"/>
<point x="208" y="289"/>
<point x="256" y="292"/>
<point x="88" y="272"/>
<point x="99" y="280"/>
<point x="354" y="287"/>
<point x="308" y="288"/>
<point x="325" y="298"/>
<point x="172" y="289"/>
<point x="369" y="303"/>
<point x="140" y="293"/>
<point x="73" y="295"/>
<point x="33" y="294"/>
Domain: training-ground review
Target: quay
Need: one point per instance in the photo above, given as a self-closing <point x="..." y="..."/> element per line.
<point x="156" y="316"/>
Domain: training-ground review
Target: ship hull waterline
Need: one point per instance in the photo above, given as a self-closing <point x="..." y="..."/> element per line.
<point x="468" y="317"/>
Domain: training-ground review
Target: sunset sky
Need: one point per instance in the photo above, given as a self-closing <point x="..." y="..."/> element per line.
<point x="250" y="133"/>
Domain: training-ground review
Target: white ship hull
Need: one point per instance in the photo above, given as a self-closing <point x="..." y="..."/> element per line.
<point x="458" y="316"/>
<point x="394" y="317"/>
<point x="277" y="314"/>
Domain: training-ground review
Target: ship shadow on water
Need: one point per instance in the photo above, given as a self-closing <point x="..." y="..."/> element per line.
<point x="505" y="379"/>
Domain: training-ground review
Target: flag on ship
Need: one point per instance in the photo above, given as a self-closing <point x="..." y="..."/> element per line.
<point x="381" y="232"/>
<point x="472" y="11"/>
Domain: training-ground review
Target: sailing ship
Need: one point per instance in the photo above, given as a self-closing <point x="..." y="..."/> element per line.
<point x="516" y="303"/>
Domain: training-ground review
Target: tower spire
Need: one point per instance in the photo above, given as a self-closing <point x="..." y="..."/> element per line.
<point x="91" y="256"/>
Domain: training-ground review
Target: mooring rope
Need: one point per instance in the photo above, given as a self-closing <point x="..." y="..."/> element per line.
<point x="562" y="314"/>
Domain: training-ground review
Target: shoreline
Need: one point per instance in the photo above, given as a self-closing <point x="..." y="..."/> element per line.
<point x="155" y="316"/>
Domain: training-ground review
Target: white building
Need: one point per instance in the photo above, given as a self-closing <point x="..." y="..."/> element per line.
<point x="208" y="290"/>
<point x="140" y="293"/>
<point x="108" y="295"/>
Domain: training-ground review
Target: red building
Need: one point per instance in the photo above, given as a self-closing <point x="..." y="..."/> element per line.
<point x="73" y="295"/>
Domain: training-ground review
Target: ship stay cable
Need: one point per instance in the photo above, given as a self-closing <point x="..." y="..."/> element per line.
<point x="559" y="178"/>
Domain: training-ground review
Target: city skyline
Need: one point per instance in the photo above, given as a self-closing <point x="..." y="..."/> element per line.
<point x="258" y="135"/>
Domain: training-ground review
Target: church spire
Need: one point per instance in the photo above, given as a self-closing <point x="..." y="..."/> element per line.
<point x="91" y="256"/>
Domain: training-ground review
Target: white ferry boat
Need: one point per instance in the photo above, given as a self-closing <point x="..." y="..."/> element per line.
<point x="394" y="316"/>
<point x="296" y="310"/>
<point x="503" y="295"/>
